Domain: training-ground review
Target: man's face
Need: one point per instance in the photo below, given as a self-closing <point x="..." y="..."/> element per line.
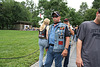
<point x="66" y="22"/>
<point x="98" y="18"/>
<point x="56" y="18"/>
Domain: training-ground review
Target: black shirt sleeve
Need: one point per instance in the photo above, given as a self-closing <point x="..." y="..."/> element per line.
<point x="67" y="34"/>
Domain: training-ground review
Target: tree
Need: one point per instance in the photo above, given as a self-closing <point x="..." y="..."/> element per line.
<point x="96" y="4"/>
<point x="11" y="12"/>
<point x="47" y="7"/>
<point x="79" y="16"/>
<point x="90" y="14"/>
<point x="74" y="17"/>
<point x="6" y="13"/>
<point x="83" y="8"/>
<point x="34" y="11"/>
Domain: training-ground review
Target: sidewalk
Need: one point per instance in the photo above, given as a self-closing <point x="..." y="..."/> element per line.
<point x="72" y="58"/>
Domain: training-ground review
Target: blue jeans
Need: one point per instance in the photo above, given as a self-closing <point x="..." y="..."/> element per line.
<point x="45" y="59"/>
<point x="51" y="55"/>
<point x="66" y="61"/>
<point x="75" y="38"/>
<point x="42" y="44"/>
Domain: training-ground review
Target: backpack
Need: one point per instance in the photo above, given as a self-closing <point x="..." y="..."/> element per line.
<point x="42" y="34"/>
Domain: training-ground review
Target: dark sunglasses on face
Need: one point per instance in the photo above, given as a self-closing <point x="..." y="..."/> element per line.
<point x="55" y="16"/>
<point x="66" y="21"/>
<point x="99" y="12"/>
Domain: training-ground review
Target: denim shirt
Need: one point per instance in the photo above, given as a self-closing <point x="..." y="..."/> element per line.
<point x="52" y="34"/>
<point x="56" y="36"/>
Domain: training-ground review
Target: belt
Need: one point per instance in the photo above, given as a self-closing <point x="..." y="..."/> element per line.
<point x="51" y="44"/>
<point x="42" y="38"/>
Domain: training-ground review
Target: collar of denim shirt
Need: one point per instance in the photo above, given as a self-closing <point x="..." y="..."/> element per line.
<point x="56" y="24"/>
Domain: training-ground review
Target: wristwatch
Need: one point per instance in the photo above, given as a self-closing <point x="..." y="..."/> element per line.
<point x="66" y="49"/>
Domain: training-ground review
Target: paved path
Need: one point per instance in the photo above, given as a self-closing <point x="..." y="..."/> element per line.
<point x="72" y="59"/>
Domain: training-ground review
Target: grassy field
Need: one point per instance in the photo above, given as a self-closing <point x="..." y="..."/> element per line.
<point x="16" y="44"/>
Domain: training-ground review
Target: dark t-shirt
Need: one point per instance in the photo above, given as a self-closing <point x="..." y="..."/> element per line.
<point x="89" y="34"/>
<point x="67" y="33"/>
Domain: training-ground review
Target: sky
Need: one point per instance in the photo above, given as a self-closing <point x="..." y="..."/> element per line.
<point x="71" y="3"/>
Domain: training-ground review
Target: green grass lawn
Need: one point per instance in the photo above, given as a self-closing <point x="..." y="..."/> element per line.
<point x="18" y="43"/>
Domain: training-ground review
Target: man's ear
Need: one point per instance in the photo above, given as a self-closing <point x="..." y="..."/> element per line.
<point x="97" y="13"/>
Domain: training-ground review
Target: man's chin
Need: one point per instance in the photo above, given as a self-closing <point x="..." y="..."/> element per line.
<point x="55" y="22"/>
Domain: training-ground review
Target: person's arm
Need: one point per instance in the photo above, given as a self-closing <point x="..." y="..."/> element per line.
<point x="79" y="61"/>
<point x="47" y="36"/>
<point x="67" y="35"/>
<point x="70" y="29"/>
<point x="47" y="32"/>
<point x="67" y="42"/>
<point x="65" y="51"/>
<point x="81" y="34"/>
<point x="72" y="32"/>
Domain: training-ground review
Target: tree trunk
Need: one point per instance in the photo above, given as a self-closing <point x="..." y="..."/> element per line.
<point x="2" y="26"/>
<point x="7" y="26"/>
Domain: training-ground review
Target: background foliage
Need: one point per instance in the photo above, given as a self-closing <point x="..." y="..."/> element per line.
<point x="12" y="11"/>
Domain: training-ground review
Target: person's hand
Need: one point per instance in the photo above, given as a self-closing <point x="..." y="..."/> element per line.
<point x="79" y="62"/>
<point x="64" y="53"/>
<point x="68" y="24"/>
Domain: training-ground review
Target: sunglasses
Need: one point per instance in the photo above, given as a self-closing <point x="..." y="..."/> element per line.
<point x="55" y="16"/>
<point x="65" y="20"/>
<point x="99" y="12"/>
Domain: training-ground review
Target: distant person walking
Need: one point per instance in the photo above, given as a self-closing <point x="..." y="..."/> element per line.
<point x="66" y="21"/>
<point x="43" y="36"/>
<point x="75" y="32"/>
<point x="88" y="45"/>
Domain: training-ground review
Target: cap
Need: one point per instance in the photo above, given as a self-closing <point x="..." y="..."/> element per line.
<point x="56" y="12"/>
<point x="99" y="10"/>
<point x="66" y="19"/>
